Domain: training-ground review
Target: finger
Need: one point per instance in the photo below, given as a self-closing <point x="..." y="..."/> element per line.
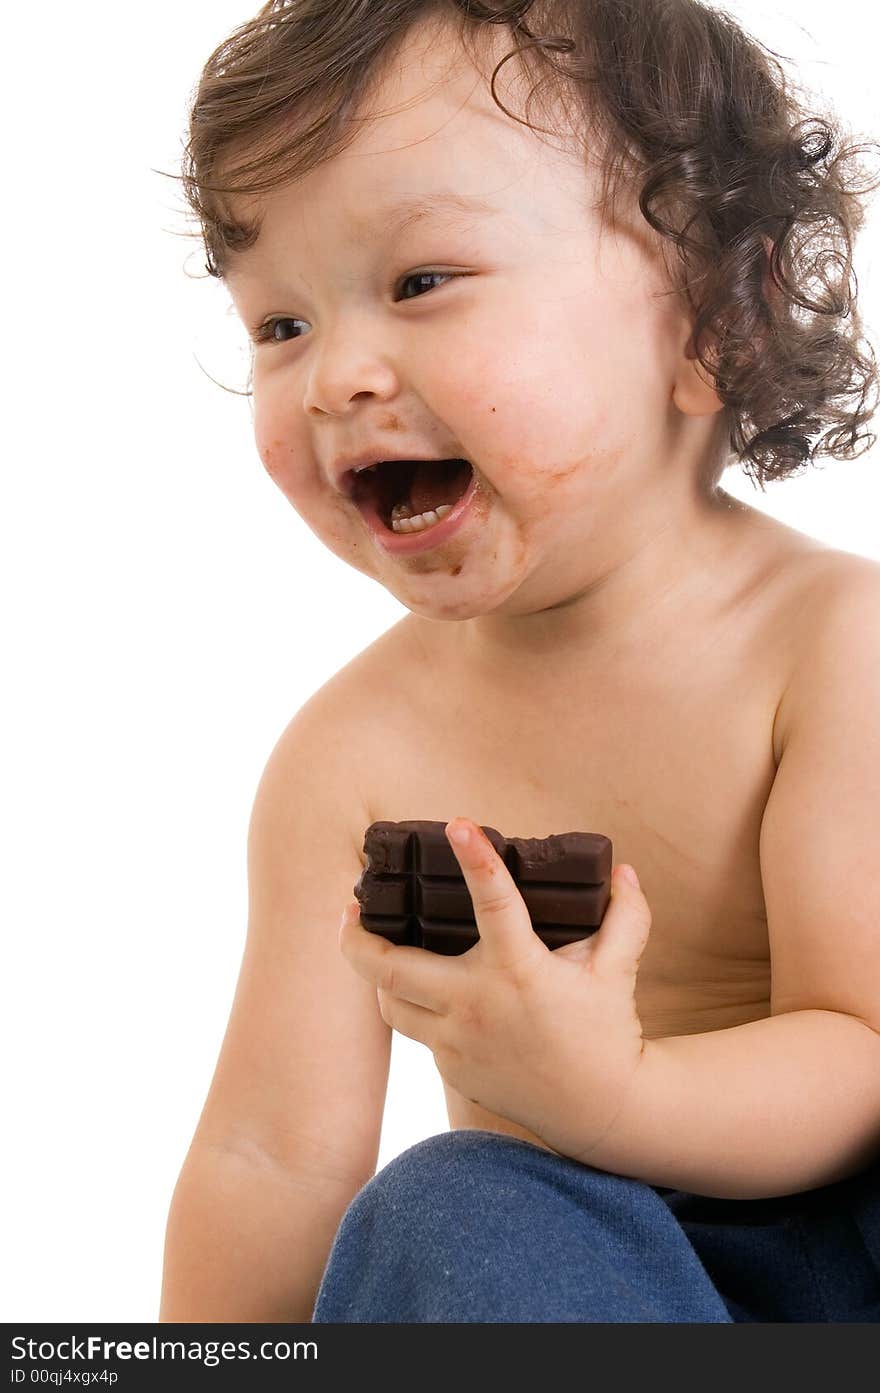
<point x="625" y="927"/>
<point x="411" y="974"/>
<point x="503" y="922"/>
<point x="415" y="1022"/>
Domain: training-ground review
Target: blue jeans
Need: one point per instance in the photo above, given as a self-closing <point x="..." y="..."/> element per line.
<point x="471" y="1225"/>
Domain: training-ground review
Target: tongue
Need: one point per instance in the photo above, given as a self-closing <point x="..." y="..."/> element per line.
<point x="436" y="482"/>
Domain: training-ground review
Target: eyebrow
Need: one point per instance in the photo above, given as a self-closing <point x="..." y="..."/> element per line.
<point x="396" y="217"/>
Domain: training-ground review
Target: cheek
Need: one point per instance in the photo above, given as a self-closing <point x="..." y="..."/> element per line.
<point x="290" y="470"/>
<point x="277" y="460"/>
<point x="542" y="415"/>
<point x="278" y="451"/>
<point x="273" y="439"/>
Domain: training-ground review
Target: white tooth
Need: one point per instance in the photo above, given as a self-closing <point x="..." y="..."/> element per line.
<point x="421" y="521"/>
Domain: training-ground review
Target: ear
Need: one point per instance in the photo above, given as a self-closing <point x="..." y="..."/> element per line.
<point x="693" y="391"/>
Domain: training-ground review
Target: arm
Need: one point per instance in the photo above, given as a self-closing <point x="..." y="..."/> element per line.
<point x="772" y="1107"/>
<point x="290" y="1129"/>
<point x="792" y="1102"/>
<point x="246" y="1241"/>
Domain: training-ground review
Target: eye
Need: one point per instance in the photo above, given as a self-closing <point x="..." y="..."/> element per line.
<point x="266" y="333"/>
<point x="423" y="276"/>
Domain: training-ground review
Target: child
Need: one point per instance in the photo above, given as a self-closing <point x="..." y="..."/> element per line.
<point x="569" y="288"/>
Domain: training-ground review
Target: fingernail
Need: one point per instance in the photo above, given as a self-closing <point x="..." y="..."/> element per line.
<point x="628" y="874"/>
<point x="459" y="835"/>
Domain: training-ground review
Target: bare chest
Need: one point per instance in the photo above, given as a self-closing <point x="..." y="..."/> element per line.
<point x="678" y="784"/>
<point x="676" y="776"/>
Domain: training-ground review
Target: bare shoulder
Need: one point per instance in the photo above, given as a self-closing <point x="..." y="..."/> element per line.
<point x="827" y="583"/>
<point x="353" y="711"/>
<point x="835" y="620"/>
<point x="842" y="604"/>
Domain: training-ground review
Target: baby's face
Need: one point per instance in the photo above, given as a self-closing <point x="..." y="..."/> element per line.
<point x="544" y="354"/>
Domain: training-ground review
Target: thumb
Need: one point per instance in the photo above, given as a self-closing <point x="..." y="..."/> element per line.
<point x="623" y="934"/>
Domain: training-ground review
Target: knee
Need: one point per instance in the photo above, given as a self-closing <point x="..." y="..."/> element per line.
<point x="429" y="1167"/>
<point x="444" y="1152"/>
<point x="462" y="1180"/>
<point x="463" y="1175"/>
<point x="437" y="1166"/>
<point x="442" y="1172"/>
<point x="448" y="1225"/>
<point x="416" y="1230"/>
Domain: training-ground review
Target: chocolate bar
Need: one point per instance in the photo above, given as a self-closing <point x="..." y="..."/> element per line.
<point x="412" y="891"/>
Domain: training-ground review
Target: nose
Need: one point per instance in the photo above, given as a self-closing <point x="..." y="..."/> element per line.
<point x="348" y="366"/>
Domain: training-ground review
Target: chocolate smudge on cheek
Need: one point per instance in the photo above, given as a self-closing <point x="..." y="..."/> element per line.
<point x="279" y="463"/>
<point x="555" y="492"/>
<point x="268" y="454"/>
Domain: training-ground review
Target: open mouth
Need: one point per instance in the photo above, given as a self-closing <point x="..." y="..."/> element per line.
<point x="412" y="495"/>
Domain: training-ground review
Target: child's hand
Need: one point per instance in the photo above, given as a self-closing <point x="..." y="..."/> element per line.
<point x="549" y="1039"/>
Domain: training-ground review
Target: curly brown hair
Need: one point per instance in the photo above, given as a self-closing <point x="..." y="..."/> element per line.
<point x="676" y="103"/>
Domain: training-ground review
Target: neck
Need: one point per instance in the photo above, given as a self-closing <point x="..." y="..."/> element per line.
<point x="616" y="594"/>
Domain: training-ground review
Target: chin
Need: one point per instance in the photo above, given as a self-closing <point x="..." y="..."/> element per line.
<point x="447" y="600"/>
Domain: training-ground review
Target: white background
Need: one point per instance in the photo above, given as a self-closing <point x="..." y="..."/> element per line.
<point x="165" y="614"/>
